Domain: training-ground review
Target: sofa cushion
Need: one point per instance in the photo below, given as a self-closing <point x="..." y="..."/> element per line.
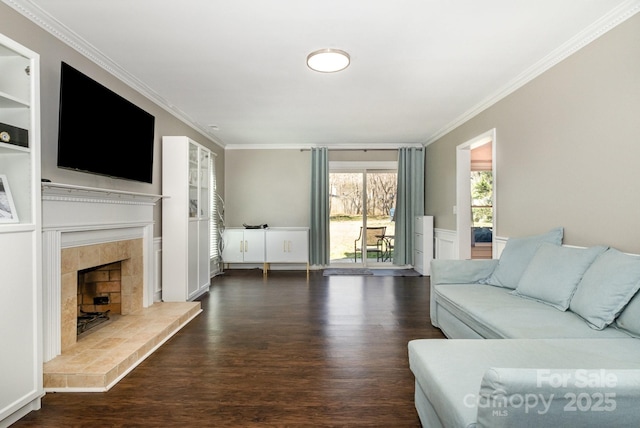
<point x="495" y="313"/>
<point x="606" y="287"/>
<point x="554" y="273"/>
<point x="575" y="397"/>
<point x="517" y="254"/>
<point x="629" y="320"/>
<point x="450" y="371"/>
<point x="441" y="380"/>
<point x="457" y="272"/>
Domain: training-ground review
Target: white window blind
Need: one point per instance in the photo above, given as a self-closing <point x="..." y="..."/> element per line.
<point x="214" y="237"/>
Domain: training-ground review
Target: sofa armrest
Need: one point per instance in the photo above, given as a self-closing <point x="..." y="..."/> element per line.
<point x="456" y="272"/>
<point x="461" y="271"/>
<point x="540" y="397"/>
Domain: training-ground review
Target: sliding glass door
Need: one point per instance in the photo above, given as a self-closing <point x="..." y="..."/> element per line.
<point x="362" y="203"/>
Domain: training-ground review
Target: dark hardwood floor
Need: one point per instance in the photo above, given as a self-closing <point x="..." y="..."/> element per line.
<point x="279" y="351"/>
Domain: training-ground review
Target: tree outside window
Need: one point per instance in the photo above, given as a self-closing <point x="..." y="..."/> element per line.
<point x="482" y="198"/>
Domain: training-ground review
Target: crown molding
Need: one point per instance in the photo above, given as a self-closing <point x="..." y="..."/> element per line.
<point x="346" y="146"/>
<point x="607" y="22"/>
<point x="41" y="18"/>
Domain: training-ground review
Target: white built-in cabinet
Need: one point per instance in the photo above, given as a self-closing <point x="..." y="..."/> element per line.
<point x="20" y="233"/>
<point x="186" y="219"/>
<point x="266" y="246"/>
<point x="423" y="244"/>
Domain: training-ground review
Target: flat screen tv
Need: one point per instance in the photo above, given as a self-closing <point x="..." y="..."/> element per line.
<point x="102" y="133"/>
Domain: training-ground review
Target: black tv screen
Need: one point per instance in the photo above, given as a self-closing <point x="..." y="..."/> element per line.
<point x="100" y="132"/>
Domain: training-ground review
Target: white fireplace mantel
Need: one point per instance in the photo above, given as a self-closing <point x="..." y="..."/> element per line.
<point x="75" y="216"/>
<point x="70" y="190"/>
<point x="67" y="206"/>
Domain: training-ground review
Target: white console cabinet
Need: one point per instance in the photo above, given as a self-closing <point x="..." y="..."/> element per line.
<point x="186" y="212"/>
<point x="287" y="245"/>
<point x="266" y="246"/>
<point x="20" y="233"/>
<point x="423" y="244"/>
<point x="243" y="246"/>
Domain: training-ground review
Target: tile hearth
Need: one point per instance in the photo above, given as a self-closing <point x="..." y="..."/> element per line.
<point x="86" y="367"/>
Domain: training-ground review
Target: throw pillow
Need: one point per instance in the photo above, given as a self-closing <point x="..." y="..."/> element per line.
<point x="516" y="256"/>
<point x="554" y="273"/>
<point x="606" y="288"/>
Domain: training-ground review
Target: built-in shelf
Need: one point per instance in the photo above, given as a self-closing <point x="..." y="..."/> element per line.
<point x="21" y="321"/>
<point x="7" y="149"/>
<point x="10" y="101"/>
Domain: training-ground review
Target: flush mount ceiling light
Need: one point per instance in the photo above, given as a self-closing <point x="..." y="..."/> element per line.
<point x="328" y="60"/>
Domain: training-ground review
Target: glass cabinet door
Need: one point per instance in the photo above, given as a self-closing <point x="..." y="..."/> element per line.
<point x="199" y="181"/>
<point x="193" y="181"/>
<point x="205" y="206"/>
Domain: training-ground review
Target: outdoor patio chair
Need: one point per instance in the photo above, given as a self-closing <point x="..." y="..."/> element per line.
<point x="374" y="241"/>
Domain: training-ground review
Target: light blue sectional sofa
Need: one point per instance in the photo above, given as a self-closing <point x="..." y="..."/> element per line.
<point x="560" y="328"/>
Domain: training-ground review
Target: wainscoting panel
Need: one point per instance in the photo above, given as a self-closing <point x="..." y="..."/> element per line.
<point x="498" y="245"/>
<point x="157" y="271"/>
<point x="445" y="244"/>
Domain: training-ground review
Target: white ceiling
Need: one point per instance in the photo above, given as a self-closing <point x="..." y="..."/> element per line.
<point x="418" y="67"/>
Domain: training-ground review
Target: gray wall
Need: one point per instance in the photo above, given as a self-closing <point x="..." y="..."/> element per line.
<point x="273" y="186"/>
<point x="267" y="186"/>
<point x="52" y="51"/>
<point x="568" y="149"/>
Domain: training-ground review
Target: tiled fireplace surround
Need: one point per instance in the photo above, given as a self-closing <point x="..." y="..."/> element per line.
<point x="86" y="227"/>
<point x="75" y="259"/>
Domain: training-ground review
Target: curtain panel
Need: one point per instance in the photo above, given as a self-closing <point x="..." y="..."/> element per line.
<point x="319" y="239"/>
<point x="409" y="202"/>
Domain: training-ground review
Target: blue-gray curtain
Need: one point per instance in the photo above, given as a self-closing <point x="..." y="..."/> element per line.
<point x="409" y="202"/>
<point x="319" y="239"/>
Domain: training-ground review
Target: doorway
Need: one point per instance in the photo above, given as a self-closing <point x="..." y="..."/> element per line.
<point x="475" y="197"/>
<point x="362" y="203"/>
